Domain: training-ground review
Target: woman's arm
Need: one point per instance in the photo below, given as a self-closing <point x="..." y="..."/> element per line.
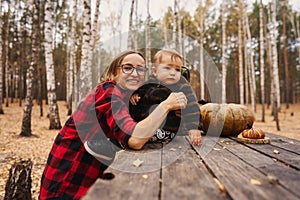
<point x="144" y="130"/>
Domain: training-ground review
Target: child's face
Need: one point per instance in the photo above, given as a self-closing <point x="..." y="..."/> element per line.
<point x="168" y="71"/>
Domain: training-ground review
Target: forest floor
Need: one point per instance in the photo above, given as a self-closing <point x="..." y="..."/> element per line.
<point x="14" y="148"/>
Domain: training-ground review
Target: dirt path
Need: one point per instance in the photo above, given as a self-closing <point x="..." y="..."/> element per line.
<point x="13" y="147"/>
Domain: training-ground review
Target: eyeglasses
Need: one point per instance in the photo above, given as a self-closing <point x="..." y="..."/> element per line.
<point x="128" y="69"/>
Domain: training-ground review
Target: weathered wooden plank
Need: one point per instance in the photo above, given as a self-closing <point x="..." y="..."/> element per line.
<point x="289" y="157"/>
<point x="288" y="149"/>
<point x="285" y="143"/>
<point x="150" y="156"/>
<point x="131" y="182"/>
<point x="126" y="186"/>
<point x="277" y="172"/>
<point x="187" y="177"/>
<point x="173" y="150"/>
<point x="240" y="179"/>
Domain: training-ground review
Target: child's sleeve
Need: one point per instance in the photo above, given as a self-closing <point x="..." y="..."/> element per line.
<point x="191" y="115"/>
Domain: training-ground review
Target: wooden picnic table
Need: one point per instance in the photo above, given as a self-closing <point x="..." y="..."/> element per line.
<point x="221" y="168"/>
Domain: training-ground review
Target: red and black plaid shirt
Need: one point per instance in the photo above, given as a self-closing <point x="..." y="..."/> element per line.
<point x="70" y="169"/>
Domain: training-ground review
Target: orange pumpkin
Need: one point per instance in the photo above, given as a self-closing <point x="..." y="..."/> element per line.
<point x="229" y="119"/>
<point x="253" y="133"/>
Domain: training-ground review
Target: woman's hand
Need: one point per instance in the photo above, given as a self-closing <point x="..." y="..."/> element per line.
<point x="195" y="137"/>
<point x="134" y="99"/>
<point x="175" y="101"/>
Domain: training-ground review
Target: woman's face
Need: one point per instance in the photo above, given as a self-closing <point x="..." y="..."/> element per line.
<point x="131" y="81"/>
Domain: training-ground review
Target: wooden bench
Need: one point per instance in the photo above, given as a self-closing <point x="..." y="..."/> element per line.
<point x="221" y="168"/>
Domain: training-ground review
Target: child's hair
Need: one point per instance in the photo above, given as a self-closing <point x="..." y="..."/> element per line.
<point x="174" y="55"/>
<point x="111" y="72"/>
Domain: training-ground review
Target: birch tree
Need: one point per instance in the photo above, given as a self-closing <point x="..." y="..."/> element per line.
<point x="224" y="56"/>
<point x="137" y="25"/>
<point x="147" y="37"/>
<point x="72" y="58"/>
<point x="86" y="56"/>
<point x="241" y="68"/>
<point x="275" y="74"/>
<point x="201" y="15"/>
<point x="1" y="70"/>
<point x="51" y="91"/>
<point x="95" y="36"/>
<point x="261" y="56"/>
<point x="249" y="57"/>
<point x="26" y="121"/>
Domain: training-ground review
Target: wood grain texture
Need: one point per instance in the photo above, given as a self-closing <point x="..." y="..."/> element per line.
<point x="276" y="172"/>
<point x="236" y="176"/>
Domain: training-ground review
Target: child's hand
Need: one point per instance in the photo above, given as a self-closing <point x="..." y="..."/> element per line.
<point x="195" y="137"/>
<point x="134" y="99"/>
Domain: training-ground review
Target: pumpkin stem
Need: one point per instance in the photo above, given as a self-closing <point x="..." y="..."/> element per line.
<point x="249" y="126"/>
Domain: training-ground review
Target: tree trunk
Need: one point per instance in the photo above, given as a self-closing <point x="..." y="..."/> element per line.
<point x="26" y="121"/>
<point x="18" y="185"/>
<point x="285" y="55"/>
<point x="6" y="66"/>
<point x="130" y="32"/>
<point x="148" y="38"/>
<point x="85" y="67"/>
<point x="201" y="52"/>
<point x="51" y="91"/>
<point x="39" y="68"/>
<point x="136" y="25"/>
<point x="295" y="21"/>
<point x="179" y="29"/>
<point x="166" y="30"/>
<point x="276" y="92"/>
<point x="72" y="60"/>
<point x="241" y="68"/>
<point x="250" y="61"/>
<point x="95" y="37"/>
<point x="261" y="56"/>
<point x="1" y="66"/>
<point x="224" y="56"/>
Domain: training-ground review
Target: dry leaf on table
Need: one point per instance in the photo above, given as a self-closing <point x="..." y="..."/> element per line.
<point x="255" y="182"/>
<point x="276" y="151"/>
<point x="137" y="162"/>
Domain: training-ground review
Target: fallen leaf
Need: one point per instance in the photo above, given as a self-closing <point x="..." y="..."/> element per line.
<point x="137" y="162"/>
<point x="273" y="179"/>
<point x="220" y="185"/>
<point x="145" y="176"/>
<point x="255" y="182"/>
<point x="276" y="151"/>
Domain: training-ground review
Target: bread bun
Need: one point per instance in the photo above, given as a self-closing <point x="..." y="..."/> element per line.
<point x="253" y="133"/>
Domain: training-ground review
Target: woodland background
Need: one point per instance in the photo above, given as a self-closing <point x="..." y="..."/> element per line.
<point x="238" y="52"/>
<point x="56" y="50"/>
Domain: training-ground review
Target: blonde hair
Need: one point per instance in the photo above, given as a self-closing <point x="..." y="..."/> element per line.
<point x="159" y="55"/>
<point x="111" y="71"/>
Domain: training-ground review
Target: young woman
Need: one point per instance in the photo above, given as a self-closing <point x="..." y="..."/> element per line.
<point x="70" y="170"/>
